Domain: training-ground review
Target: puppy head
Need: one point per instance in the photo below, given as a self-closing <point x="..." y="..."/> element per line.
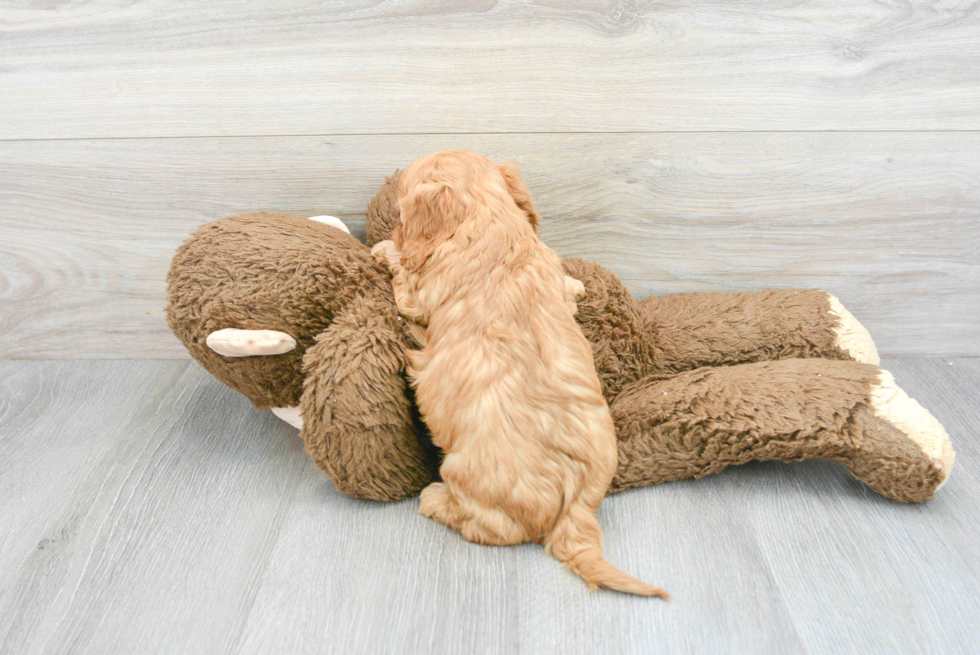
<point x="439" y="192"/>
<point x="431" y="211"/>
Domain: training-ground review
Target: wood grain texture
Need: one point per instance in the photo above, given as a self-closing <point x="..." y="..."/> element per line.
<point x="890" y="223"/>
<point x="435" y="593"/>
<point x="162" y="533"/>
<point x="195" y="524"/>
<point x="425" y="66"/>
<point x="859" y="566"/>
<point x="55" y="427"/>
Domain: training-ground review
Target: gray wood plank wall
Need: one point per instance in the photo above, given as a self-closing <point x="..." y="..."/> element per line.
<point x="411" y="66"/>
<point x="714" y="146"/>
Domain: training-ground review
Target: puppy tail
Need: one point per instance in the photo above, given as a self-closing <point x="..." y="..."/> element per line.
<point x="577" y="541"/>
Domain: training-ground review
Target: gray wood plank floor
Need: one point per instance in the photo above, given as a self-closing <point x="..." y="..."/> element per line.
<point x="145" y="508"/>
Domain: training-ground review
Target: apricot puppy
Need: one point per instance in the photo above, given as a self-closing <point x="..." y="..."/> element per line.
<point x="506" y="380"/>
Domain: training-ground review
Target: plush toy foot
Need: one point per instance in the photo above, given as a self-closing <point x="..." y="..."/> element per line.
<point x="331" y="220"/>
<point x="900" y="413"/>
<point x="699" y="422"/>
<point x="291" y="415"/>
<point x="852" y="337"/>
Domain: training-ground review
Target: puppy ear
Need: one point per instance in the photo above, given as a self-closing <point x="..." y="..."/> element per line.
<point x="519" y="192"/>
<point x="430" y="216"/>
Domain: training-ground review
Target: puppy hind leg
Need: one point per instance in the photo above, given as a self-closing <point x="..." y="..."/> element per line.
<point x="437" y="502"/>
<point x="480" y="525"/>
<point x="492" y="527"/>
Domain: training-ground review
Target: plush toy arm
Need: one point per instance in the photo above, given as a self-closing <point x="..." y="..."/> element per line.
<point x="358" y="421"/>
<point x="692" y="330"/>
<point x="697" y="423"/>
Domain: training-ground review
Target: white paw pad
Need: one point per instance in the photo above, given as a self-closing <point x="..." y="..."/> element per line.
<point x="232" y="342"/>
<point x="332" y="221"/>
<point x="852" y="337"/>
<point x="891" y="403"/>
<point x="291" y="415"/>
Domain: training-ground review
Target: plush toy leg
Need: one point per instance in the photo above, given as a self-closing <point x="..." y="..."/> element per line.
<point x="850" y="336"/>
<point x="692" y="330"/>
<point x="697" y="423"/>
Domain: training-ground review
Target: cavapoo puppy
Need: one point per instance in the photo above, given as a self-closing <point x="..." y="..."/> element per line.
<point x="505" y="381"/>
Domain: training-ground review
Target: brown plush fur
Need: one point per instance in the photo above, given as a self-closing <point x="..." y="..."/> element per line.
<point x="272" y="271"/>
<point x="618" y="331"/>
<point x="647" y="343"/>
<point x="723" y="329"/>
<point x="234" y="273"/>
<point x="321" y="286"/>
<point x="358" y="363"/>
<point x="506" y="381"/>
<point x="383" y="214"/>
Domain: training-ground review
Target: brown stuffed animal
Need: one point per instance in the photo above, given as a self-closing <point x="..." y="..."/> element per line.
<point x="295" y="314"/>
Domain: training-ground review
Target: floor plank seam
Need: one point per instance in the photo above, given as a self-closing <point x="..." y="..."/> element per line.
<point x="771" y="572"/>
<point x="234" y="642"/>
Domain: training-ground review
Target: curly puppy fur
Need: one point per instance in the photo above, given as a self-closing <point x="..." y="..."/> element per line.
<point x="506" y="381"/>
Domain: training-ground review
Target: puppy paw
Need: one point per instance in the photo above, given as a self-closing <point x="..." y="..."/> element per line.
<point x="574" y="291"/>
<point x="437" y="502"/>
<point x="386" y="253"/>
<point x="852" y="337"/>
<point x="432" y="498"/>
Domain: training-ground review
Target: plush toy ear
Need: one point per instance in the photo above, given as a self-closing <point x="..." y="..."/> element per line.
<point x="519" y="192"/>
<point x="359" y="423"/>
<point x="430" y="215"/>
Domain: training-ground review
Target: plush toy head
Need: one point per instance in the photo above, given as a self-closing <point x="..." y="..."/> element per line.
<point x="321" y="289"/>
<point x="235" y="274"/>
<point x="383" y="214"/>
